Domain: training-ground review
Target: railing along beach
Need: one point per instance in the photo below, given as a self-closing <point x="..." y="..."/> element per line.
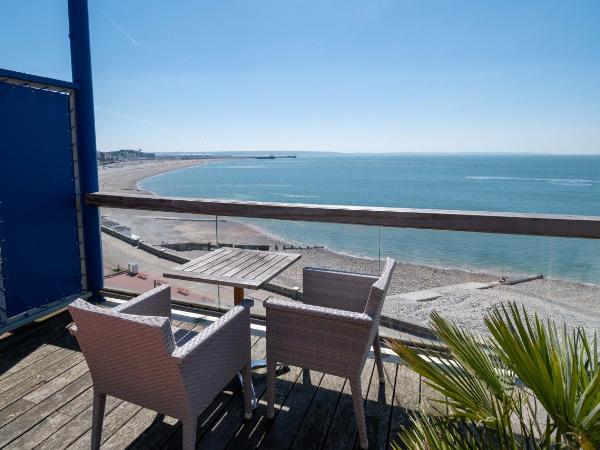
<point x="554" y="225"/>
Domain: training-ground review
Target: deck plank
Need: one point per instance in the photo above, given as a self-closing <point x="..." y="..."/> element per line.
<point x="157" y="435"/>
<point x="252" y="431"/>
<point x="131" y="430"/>
<point x="378" y="407"/>
<point x="19" y="350"/>
<point x="40" y="411"/>
<point x="26" y="386"/>
<point x="41" y="365"/>
<point x="46" y="390"/>
<point x="112" y="422"/>
<point x="318" y="418"/>
<point x="40" y="431"/>
<point x="286" y="424"/>
<point x="33" y="333"/>
<point x="343" y="433"/>
<point x="28" y="362"/>
<point x="406" y="399"/>
<point x="14" y="410"/>
<point x="79" y="424"/>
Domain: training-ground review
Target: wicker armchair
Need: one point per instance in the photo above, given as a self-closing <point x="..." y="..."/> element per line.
<point x="134" y="353"/>
<point x="331" y="331"/>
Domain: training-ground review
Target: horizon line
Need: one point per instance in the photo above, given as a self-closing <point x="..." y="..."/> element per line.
<point x="291" y="152"/>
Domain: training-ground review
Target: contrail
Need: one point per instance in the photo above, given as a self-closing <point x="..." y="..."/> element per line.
<point x="116" y="25"/>
<point x="124" y="116"/>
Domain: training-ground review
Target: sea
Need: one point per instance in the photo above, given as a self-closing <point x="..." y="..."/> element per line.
<point x="510" y="183"/>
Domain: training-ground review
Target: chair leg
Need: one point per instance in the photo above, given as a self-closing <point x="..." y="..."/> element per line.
<point x="271" y="372"/>
<point x="249" y="395"/>
<point x="378" y="360"/>
<point x="189" y="433"/>
<point x="97" y="418"/>
<point x="359" y="411"/>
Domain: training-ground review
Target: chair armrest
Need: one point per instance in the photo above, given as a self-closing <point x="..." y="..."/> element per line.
<point x="320" y="312"/>
<point x="156" y="302"/>
<point x="232" y="326"/>
<point x="335" y="289"/>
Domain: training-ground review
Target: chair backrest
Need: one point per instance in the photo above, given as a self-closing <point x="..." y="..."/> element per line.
<point x="336" y="289"/>
<point x="379" y="289"/>
<point x="128" y="355"/>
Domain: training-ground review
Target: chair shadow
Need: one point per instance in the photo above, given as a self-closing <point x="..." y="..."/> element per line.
<point x="334" y="410"/>
<point x="27" y="340"/>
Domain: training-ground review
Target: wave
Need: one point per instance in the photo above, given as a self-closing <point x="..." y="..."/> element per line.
<point x="243" y="167"/>
<point x="247" y="186"/>
<point x="299" y="196"/>
<point x="571" y="183"/>
<point x="557" y="181"/>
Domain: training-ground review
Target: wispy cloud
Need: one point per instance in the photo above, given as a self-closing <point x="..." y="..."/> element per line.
<point x="126" y="117"/>
<point x="116" y="25"/>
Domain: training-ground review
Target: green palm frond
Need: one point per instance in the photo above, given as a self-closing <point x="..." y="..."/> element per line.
<point x="560" y="367"/>
<point x="476" y="357"/>
<point x="451" y="433"/>
<point x="560" y="370"/>
<point x="471" y="377"/>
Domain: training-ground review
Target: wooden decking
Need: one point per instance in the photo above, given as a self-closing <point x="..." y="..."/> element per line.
<point x="46" y="398"/>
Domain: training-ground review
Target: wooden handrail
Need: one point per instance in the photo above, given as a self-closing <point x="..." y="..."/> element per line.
<point x="433" y="219"/>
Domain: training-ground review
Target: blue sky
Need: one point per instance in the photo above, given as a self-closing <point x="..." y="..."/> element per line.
<point x="346" y="75"/>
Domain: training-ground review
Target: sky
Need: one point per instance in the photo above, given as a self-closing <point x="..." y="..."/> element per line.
<point x="343" y="75"/>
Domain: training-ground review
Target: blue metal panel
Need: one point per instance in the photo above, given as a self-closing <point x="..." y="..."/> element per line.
<point x="81" y="68"/>
<point x="27" y="77"/>
<point x="38" y="222"/>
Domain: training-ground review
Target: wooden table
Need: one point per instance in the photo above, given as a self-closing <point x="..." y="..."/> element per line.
<point x="239" y="268"/>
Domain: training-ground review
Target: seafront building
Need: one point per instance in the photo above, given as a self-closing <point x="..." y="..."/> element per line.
<point x="123" y="156"/>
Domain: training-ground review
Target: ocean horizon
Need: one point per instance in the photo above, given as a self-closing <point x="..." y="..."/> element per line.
<point x="552" y="184"/>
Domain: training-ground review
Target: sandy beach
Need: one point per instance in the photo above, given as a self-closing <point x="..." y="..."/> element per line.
<point x="575" y="303"/>
<point x="124" y="177"/>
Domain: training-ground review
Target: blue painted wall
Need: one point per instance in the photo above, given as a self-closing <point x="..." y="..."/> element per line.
<point x="38" y="223"/>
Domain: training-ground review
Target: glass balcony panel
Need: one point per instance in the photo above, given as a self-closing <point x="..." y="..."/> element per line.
<point x="335" y="246"/>
<point x="459" y="274"/>
<point x="156" y="242"/>
<point x="463" y="275"/>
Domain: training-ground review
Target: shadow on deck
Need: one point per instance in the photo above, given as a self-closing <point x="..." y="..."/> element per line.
<point x="46" y="398"/>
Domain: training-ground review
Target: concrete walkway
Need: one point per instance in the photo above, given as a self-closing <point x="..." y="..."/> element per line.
<point x="431" y="294"/>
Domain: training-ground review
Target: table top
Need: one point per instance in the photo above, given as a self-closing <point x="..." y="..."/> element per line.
<point x="235" y="267"/>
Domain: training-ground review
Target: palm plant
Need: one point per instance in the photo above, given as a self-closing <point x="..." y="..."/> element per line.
<point x="525" y="386"/>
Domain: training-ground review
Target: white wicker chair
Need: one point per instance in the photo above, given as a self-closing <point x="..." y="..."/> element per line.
<point x="134" y="354"/>
<point x="331" y="331"/>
